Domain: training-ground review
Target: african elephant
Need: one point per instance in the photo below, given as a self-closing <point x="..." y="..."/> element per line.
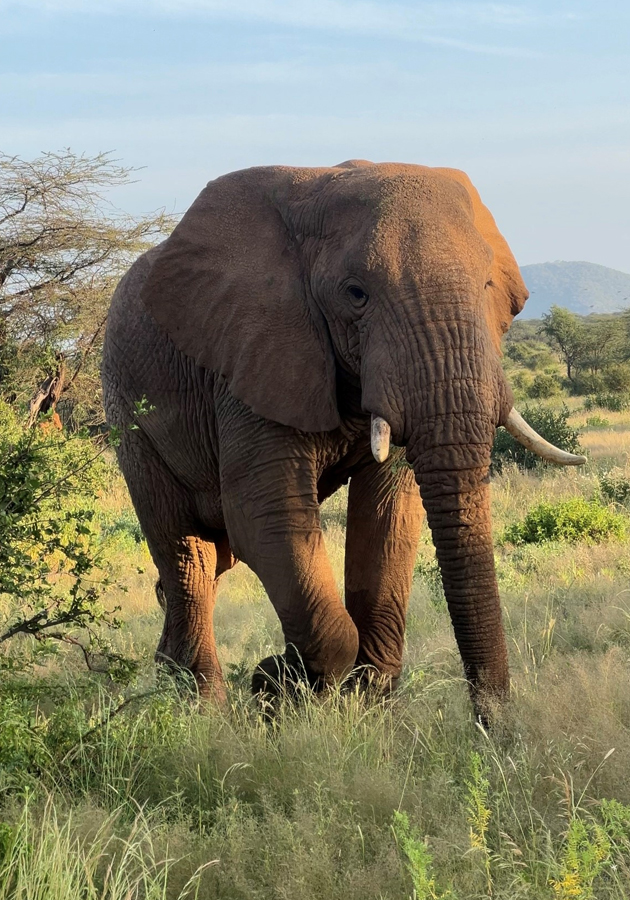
<point x="295" y="321"/>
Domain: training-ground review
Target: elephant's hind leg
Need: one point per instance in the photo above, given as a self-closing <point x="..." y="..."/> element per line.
<point x="189" y="580"/>
<point x="188" y="562"/>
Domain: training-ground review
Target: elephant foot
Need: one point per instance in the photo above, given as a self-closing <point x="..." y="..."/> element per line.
<point x="283" y="676"/>
<point x="192" y="678"/>
<point x="372" y="683"/>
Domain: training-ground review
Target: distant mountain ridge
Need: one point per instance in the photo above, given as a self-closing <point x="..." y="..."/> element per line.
<point x="582" y="287"/>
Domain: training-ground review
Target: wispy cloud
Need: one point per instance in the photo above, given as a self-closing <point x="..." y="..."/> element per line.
<point x="441" y="24"/>
<point x="163" y="76"/>
<point x="316" y="133"/>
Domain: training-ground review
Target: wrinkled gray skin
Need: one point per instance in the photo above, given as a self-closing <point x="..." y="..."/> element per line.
<point x="288" y="306"/>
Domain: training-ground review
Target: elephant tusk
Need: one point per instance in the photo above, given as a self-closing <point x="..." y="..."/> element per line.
<point x="525" y="434"/>
<point x="381" y="433"/>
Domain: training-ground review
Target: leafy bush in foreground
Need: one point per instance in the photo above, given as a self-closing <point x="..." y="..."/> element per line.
<point x="51" y="573"/>
<point x="550" y="424"/>
<point x="570" y="520"/>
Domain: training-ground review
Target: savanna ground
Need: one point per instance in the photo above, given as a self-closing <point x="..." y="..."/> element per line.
<point x="126" y="791"/>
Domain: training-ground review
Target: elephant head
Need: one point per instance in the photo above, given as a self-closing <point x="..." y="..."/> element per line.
<point x="280" y="278"/>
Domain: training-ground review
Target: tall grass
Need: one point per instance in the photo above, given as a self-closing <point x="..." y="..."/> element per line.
<point x="53" y="853"/>
<point x="306" y="807"/>
<point x="109" y="792"/>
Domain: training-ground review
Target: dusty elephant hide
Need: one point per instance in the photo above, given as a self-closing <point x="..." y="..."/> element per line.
<point x="288" y="309"/>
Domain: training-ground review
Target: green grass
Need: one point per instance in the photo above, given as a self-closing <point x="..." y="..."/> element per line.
<point x="59" y="853"/>
<point x="307" y="808"/>
<point x="128" y="792"/>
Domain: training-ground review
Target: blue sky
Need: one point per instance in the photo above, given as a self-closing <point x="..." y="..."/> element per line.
<point x="531" y="99"/>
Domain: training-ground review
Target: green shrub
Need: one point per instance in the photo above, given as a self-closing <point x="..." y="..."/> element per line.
<point x="610" y="401"/>
<point x="543" y="387"/>
<point x="617" y="378"/>
<point x="52" y="579"/>
<point x="532" y="354"/>
<point x="521" y="380"/>
<point x="571" y="520"/>
<point x="123" y="529"/>
<point x="615" y="486"/>
<point x="587" y="383"/>
<point x="550" y="424"/>
<point x="597" y="422"/>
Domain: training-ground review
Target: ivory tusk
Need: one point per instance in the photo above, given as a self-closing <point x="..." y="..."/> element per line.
<point x="525" y="434"/>
<point x="381" y="433"/>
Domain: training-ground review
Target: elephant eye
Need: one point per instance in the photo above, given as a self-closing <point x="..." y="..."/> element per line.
<point x="358" y="295"/>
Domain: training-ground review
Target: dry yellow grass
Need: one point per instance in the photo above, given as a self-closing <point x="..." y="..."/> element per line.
<point x="610" y="444"/>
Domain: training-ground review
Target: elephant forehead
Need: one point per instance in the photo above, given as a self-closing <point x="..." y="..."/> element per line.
<point x="394" y="218"/>
<point x="396" y="188"/>
<point x="422" y="232"/>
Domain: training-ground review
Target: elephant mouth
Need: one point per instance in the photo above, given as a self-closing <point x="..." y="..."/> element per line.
<point x="515" y="424"/>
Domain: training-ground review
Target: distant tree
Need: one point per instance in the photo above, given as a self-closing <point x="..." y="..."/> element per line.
<point x="617" y="378"/>
<point x="604" y="340"/>
<point x="625" y="320"/>
<point x="63" y="246"/>
<point x="567" y="332"/>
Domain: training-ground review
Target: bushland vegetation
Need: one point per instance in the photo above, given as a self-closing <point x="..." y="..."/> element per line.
<point x="577" y="355"/>
<point x="112" y="785"/>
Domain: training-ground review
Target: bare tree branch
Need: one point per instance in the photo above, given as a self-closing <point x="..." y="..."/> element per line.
<point x="63" y="246"/>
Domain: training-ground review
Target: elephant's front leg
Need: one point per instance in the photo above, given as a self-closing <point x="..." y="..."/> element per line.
<point x="384" y="519"/>
<point x="269" y="494"/>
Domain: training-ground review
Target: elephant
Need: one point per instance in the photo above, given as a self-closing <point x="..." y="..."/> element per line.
<point x="295" y="324"/>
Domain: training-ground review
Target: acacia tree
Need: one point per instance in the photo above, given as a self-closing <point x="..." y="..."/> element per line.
<point x="605" y="339"/>
<point x="567" y="333"/>
<point x="63" y="246"/>
<point x="593" y="345"/>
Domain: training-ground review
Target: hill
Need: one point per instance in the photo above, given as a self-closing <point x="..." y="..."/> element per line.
<point x="582" y="287"/>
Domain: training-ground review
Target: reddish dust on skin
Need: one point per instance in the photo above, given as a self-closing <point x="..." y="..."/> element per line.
<point x="237" y="329"/>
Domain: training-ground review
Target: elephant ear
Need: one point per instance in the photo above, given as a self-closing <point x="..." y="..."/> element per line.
<point x="229" y="290"/>
<point x="507" y="288"/>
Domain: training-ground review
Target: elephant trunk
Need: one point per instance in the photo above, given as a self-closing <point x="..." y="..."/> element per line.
<point x="443" y="397"/>
<point x="465" y="396"/>
<point x="457" y="503"/>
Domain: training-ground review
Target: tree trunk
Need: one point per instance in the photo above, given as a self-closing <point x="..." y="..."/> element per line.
<point x="48" y="394"/>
